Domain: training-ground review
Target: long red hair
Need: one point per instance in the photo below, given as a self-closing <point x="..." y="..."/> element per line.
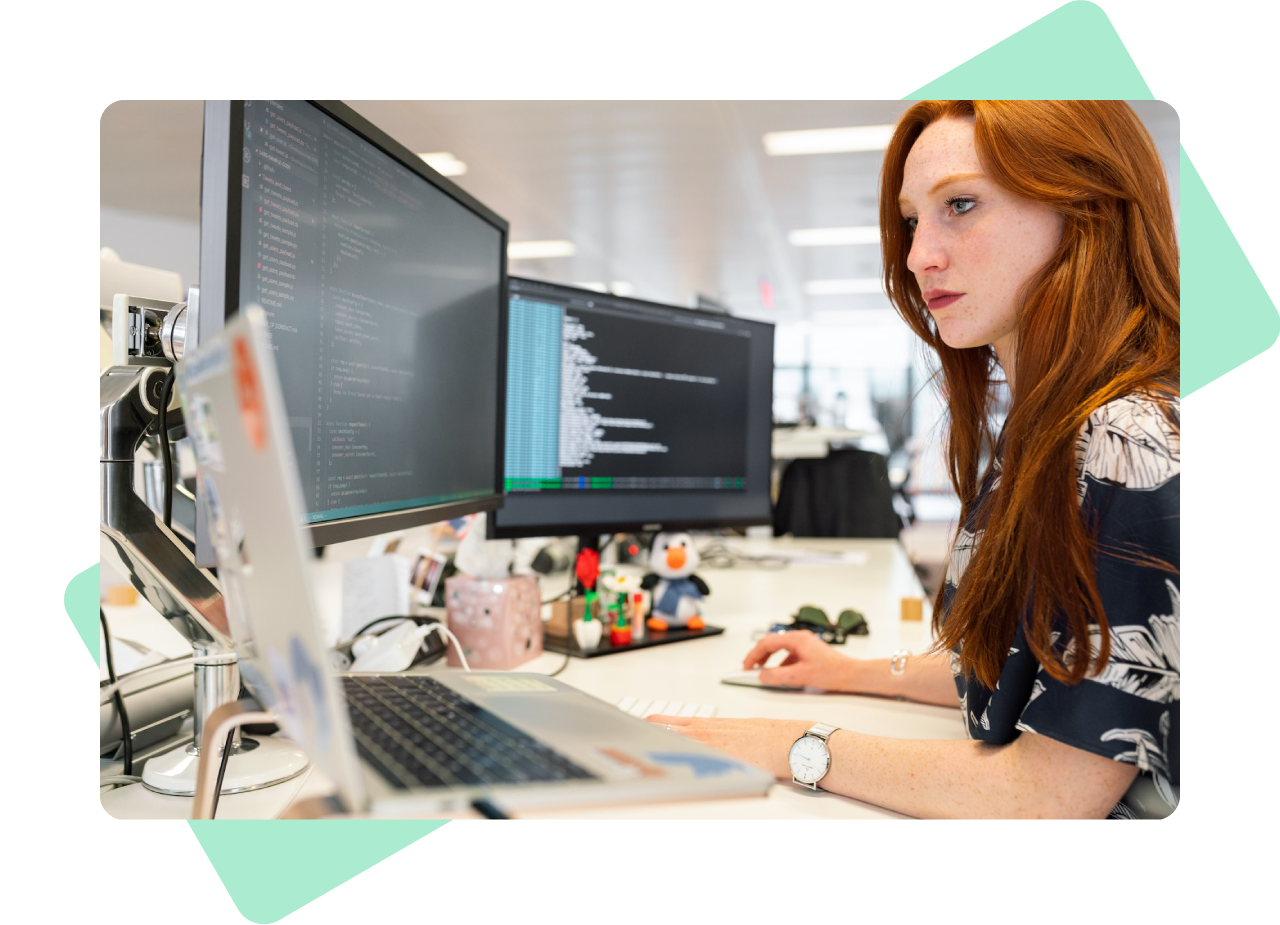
<point x="1098" y="322"/>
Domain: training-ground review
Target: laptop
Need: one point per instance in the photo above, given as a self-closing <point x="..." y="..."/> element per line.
<point x="397" y="744"/>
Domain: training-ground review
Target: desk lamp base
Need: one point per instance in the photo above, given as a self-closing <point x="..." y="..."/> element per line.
<point x="254" y="764"/>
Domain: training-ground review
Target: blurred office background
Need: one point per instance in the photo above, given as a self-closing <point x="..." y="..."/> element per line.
<point x="766" y="209"/>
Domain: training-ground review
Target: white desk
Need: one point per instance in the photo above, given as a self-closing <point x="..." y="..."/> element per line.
<point x="811" y="442"/>
<point x="744" y="601"/>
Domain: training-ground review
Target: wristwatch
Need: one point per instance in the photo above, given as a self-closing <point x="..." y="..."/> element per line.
<point x="810" y="759"/>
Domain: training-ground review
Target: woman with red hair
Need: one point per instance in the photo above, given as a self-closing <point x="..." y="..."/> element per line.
<point x="1031" y="245"/>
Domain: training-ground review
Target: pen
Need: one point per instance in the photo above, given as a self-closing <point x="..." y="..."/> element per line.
<point x="487" y="808"/>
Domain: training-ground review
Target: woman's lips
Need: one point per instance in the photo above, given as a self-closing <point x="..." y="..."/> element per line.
<point x="944" y="301"/>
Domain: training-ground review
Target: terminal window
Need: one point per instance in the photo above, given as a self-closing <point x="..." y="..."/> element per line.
<point x="604" y="395"/>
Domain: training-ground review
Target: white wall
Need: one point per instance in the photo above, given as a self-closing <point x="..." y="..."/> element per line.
<point x="153" y="241"/>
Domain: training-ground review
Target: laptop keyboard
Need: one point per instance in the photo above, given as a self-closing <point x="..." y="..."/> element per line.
<point x="419" y="733"/>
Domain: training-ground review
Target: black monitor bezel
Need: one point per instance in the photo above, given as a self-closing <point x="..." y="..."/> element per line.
<point x="497" y="530"/>
<point x="220" y="285"/>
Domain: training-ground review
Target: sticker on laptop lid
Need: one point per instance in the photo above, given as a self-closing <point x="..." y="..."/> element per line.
<point x="203" y="363"/>
<point x="233" y="598"/>
<point x="310" y="682"/>
<point x="699" y="765"/>
<point x="208" y="493"/>
<point x="284" y="708"/>
<point x="629" y="765"/>
<point x="253" y="413"/>
<point x="204" y="433"/>
<point x="502" y="684"/>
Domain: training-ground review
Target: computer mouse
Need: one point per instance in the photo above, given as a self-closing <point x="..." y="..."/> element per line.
<point x="752" y="679"/>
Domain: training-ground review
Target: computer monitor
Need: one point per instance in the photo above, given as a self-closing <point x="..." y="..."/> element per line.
<point x="628" y="415"/>
<point x="384" y="284"/>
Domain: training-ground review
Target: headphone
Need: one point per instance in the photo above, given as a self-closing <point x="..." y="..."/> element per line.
<point x="408" y="641"/>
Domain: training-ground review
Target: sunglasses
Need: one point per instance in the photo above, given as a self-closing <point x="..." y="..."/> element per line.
<point x="814" y="619"/>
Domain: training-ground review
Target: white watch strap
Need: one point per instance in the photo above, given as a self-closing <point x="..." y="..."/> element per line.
<point x="821" y="730"/>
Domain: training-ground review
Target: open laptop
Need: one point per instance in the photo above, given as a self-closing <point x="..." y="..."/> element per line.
<point x="396" y="744"/>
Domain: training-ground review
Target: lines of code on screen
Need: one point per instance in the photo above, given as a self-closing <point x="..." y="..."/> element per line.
<point x="606" y="395"/>
<point x="383" y="298"/>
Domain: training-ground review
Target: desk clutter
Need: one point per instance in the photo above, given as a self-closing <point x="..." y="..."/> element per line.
<point x="614" y="613"/>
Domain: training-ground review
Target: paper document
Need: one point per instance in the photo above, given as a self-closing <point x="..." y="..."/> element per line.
<point x="142" y="638"/>
<point x="127" y="656"/>
<point x="815" y="557"/>
<point x="373" y="588"/>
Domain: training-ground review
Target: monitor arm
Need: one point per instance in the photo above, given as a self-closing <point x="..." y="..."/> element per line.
<point x="134" y="540"/>
<point x="148" y="337"/>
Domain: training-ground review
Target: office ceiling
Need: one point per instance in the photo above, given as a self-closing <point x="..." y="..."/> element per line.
<point x="672" y="198"/>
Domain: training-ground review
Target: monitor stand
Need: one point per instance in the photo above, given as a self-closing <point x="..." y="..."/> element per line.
<point x="647" y="638"/>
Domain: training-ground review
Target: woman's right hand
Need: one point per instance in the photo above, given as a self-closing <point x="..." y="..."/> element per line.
<point x="810" y="662"/>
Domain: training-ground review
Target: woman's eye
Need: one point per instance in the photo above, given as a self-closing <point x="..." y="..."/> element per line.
<point x="909" y="224"/>
<point x="961" y="206"/>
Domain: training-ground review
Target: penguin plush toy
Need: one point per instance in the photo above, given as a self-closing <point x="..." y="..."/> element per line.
<point x="676" y="590"/>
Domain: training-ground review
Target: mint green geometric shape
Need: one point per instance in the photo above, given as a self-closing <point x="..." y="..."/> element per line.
<point x="277" y="866"/>
<point x="1073" y="53"/>
<point x="1230" y="325"/>
<point x="271" y="868"/>
<point x="81" y="644"/>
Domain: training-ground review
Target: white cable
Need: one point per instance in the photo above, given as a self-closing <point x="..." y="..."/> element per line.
<point x="143" y="672"/>
<point x="445" y="631"/>
<point x="119" y="780"/>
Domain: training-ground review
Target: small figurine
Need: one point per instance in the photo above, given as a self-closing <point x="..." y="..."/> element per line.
<point x="676" y="590"/>
<point x="588" y="630"/>
<point x="617" y="588"/>
<point x="619" y="628"/>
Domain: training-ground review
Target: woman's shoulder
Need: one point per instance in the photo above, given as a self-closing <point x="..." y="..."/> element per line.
<point x="1132" y="442"/>
<point x="1153" y="415"/>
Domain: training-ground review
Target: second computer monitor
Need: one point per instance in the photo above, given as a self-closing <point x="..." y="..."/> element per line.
<point x="623" y="414"/>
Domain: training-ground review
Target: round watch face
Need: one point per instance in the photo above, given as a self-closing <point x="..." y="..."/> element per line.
<point x="809" y="759"/>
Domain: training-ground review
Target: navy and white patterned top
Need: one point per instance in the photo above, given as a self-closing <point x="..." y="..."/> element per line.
<point x="1127" y="472"/>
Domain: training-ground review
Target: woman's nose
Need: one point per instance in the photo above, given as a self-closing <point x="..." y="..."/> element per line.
<point x="927" y="253"/>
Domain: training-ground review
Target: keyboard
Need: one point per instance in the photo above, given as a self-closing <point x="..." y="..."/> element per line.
<point x="642" y="707"/>
<point x="419" y="733"/>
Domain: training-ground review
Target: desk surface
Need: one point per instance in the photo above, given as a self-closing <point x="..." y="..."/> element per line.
<point x="812" y="442"/>
<point x="744" y="600"/>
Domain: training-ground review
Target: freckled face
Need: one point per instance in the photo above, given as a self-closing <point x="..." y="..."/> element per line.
<point x="974" y="244"/>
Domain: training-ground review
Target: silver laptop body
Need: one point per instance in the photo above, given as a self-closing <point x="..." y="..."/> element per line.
<point x="235" y="416"/>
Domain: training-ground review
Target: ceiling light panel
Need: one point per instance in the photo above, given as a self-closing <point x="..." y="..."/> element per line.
<point x="535" y="250"/>
<point x="828" y="140"/>
<point x="823" y="237"/>
<point x="444" y="163"/>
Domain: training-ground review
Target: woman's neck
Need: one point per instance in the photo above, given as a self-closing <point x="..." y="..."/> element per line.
<point x="1006" y="352"/>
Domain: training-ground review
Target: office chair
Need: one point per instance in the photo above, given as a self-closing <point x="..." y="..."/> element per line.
<point x="846" y="493"/>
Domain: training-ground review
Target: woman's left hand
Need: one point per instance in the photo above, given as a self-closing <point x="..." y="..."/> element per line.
<point x="764" y="743"/>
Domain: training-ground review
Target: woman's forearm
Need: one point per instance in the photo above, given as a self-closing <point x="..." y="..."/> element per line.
<point x="925" y="678"/>
<point x="1032" y="777"/>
